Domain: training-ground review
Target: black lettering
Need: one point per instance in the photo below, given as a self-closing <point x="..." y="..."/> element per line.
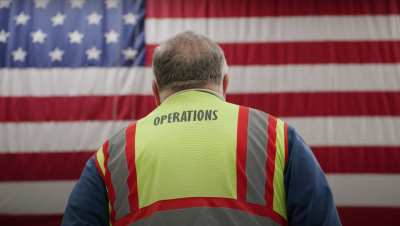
<point x="156" y="121"/>
<point x="215" y="115"/>
<point x="194" y="115"/>
<point x="183" y="117"/>
<point x="163" y="118"/>
<point x="208" y="115"/>
<point x="176" y="116"/>
<point x="169" y="117"/>
<point x="190" y="113"/>
<point x="202" y="115"/>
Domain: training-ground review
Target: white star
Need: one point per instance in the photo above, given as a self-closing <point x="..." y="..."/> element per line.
<point x="77" y="3"/>
<point x="130" y="18"/>
<point x="5" y="3"/>
<point x="93" y="53"/>
<point x="129" y="53"/>
<point x="38" y="36"/>
<point x="111" y="36"/>
<point x="22" y="18"/>
<point x="94" y="18"/>
<point x="75" y="37"/>
<point x="19" y="54"/>
<point x="112" y="4"/>
<point x="58" y="19"/>
<point x="41" y="3"/>
<point x="56" y="54"/>
<point x="4" y="35"/>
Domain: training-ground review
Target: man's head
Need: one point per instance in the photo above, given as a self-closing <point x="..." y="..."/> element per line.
<point x="188" y="60"/>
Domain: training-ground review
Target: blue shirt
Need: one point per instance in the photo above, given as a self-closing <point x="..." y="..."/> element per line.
<point x="308" y="195"/>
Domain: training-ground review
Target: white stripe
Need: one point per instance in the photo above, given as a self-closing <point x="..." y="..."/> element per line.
<point x="51" y="197"/>
<point x="347" y="131"/>
<point x="84" y="136"/>
<point x="365" y="189"/>
<point x="306" y="78"/>
<point x="56" y="136"/>
<point x="75" y="82"/>
<point x="248" y="79"/>
<point x="279" y="29"/>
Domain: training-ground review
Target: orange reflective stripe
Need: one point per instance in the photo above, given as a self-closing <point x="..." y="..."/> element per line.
<point x="220" y="211"/>
<point x="100" y="164"/>
<point x="118" y="168"/>
<point x="286" y="144"/>
<point x="271" y="152"/>
<point x="241" y="153"/>
<point x="107" y="181"/>
<point x="132" y="177"/>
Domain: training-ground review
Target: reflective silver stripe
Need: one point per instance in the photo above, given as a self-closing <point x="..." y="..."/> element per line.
<point x="204" y="216"/>
<point x="256" y="163"/>
<point x="119" y="171"/>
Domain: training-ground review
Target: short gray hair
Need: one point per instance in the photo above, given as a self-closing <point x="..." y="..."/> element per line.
<point x="188" y="60"/>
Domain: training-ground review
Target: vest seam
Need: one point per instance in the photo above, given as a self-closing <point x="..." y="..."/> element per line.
<point x="203" y="206"/>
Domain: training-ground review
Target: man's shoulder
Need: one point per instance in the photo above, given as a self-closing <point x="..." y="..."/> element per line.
<point x="266" y="115"/>
<point x="118" y="140"/>
<point x="261" y="115"/>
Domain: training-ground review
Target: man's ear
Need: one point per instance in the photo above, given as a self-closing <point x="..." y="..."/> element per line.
<point x="225" y="83"/>
<point x="155" y="92"/>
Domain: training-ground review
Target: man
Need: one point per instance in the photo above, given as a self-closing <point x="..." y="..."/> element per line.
<point x="197" y="160"/>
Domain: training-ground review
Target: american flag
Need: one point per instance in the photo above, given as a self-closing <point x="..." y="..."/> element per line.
<point x="74" y="72"/>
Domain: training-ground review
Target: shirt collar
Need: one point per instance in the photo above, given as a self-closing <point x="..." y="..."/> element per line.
<point x="198" y="89"/>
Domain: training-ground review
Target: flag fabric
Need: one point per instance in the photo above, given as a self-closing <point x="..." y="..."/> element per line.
<point x="74" y="72"/>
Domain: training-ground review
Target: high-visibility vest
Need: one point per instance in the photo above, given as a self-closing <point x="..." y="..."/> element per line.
<point x="197" y="160"/>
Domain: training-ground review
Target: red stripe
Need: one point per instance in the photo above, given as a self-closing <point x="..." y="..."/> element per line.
<point x="75" y="108"/>
<point x="130" y="158"/>
<point x="108" y="182"/>
<point x="18" y="109"/>
<point x="270" y="168"/>
<point x="136" y="107"/>
<point x="55" y="166"/>
<point x="199" y="202"/>
<point x="258" y="8"/>
<point x="31" y="220"/>
<point x="286" y="143"/>
<point x="358" y="159"/>
<point x="241" y="153"/>
<point x="277" y="53"/>
<point x="42" y="165"/>
<point x="350" y="216"/>
<point x="369" y="216"/>
<point x="322" y="104"/>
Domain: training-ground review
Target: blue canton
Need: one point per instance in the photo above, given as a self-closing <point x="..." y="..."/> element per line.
<point x="74" y="33"/>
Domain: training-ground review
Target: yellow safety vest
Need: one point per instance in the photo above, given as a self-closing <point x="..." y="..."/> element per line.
<point x="197" y="160"/>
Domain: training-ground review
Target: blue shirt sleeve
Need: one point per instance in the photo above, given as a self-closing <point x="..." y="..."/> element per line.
<point x="88" y="202"/>
<point x="308" y="195"/>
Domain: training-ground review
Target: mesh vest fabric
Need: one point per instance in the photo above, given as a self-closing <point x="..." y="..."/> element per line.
<point x="186" y="155"/>
<point x="195" y="158"/>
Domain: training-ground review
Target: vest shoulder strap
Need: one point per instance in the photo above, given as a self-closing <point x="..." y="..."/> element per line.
<point x="101" y="158"/>
<point x="111" y="160"/>
<point x="267" y="151"/>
